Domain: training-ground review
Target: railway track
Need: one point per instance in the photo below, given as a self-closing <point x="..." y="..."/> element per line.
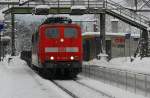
<point x="101" y="92"/>
<point x="78" y="88"/>
<point x="81" y="85"/>
<point x="64" y="89"/>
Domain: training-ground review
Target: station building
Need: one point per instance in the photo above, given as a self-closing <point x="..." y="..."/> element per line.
<point x="117" y="44"/>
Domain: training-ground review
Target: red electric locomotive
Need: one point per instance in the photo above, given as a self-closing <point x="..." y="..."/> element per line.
<point x="57" y="47"/>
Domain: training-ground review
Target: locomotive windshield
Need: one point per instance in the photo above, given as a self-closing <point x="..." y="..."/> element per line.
<point x="70" y="33"/>
<point x="52" y="33"/>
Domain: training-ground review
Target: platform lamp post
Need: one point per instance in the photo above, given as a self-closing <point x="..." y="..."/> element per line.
<point x="0" y="46"/>
<point x="13" y="34"/>
<point x="128" y="36"/>
<point x="1" y="28"/>
<point x="72" y="2"/>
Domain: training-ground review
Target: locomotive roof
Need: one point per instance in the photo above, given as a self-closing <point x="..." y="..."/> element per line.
<point x="59" y="24"/>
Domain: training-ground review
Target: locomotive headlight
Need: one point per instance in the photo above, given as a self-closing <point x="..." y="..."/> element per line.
<point x="61" y="40"/>
<point x="52" y="58"/>
<point x="72" y="58"/>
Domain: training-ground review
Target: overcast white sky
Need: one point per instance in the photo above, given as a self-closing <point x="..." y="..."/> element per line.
<point x="13" y="0"/>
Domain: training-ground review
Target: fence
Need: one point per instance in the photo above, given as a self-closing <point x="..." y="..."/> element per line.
<point x="135" y="82"/>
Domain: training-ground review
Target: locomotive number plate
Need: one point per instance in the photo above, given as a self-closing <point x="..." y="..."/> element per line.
<point x="62" y="49"/>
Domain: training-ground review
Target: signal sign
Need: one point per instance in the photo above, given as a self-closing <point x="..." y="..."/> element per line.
<point x="1" y="26"/>
<point x="119" y="40"/>
<point x="127" y="36"/>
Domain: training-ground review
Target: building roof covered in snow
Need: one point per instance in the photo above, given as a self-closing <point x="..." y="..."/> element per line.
<point x="135" y="35"/>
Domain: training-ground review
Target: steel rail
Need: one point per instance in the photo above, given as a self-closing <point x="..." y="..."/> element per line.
<point x="98" y="91"/>
<point x="64" y="89"/>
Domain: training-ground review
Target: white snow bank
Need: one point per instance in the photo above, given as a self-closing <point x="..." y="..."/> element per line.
<point x="1" y="16"/>
<point x="138" y="65"/>
<point x="42" y="6"/>
<point x="108" y="89"/>
<point x="23" y="1"/>
<point x="115" y="19"/>
<point x="135" y="35"/>
<point x="5" y="38"/>
<point x="78" y="7"/>
<point x="91" y="33"/>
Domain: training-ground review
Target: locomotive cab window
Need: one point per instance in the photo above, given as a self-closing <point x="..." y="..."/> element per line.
<point x="70" y="33"/>
<point x="52" y="33"/>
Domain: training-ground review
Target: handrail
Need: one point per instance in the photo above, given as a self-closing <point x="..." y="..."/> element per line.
<point x="130" y="14"/>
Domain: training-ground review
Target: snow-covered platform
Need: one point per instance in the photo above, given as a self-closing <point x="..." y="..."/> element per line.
<point x="17" y="80"/>
<point x="138" y="65"/>
<point x="115" y="92"/>
<point x="132" y="76"/>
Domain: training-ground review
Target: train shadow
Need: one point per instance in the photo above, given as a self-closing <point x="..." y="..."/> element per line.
<point x="58" y="77"/>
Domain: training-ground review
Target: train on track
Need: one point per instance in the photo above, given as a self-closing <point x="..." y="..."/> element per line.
<point x="56" y="48"/>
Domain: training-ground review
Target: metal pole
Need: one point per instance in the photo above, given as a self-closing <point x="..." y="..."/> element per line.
<point x="89" y="71"/>
<point x="135" y="1"/>
<point x="124" y="47"/>
<point x="106" y="4"/>
<point x="3" y="51"/>
<point x="103" y="3"/>
<point x="13" y="34"/>
<point x="130" y="47"/>
<point x="102" y="31"/>
<point x="130" y="42"/>
<point x="145" y="43"/>
<point x="126" y="80"/>
<point x="145" y="85"/>
<point x="73" y="2"/>
<point x="88" y="4"/>
<point x="135" y="83"/>
<point x="0" y="47"/>
<point x="58" y="7"/>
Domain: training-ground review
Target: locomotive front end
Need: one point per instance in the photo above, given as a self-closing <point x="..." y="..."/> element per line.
<point x="62" y="47"/>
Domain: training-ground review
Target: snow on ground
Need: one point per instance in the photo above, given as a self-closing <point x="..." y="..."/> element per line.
<point x="133" y="34"/>
<point x="108" y="89"/>
<point x="1" y="15"/>
<point x="19" y="81"/>
<point x="138" y="65"/>
<point x="80" y="90"/>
